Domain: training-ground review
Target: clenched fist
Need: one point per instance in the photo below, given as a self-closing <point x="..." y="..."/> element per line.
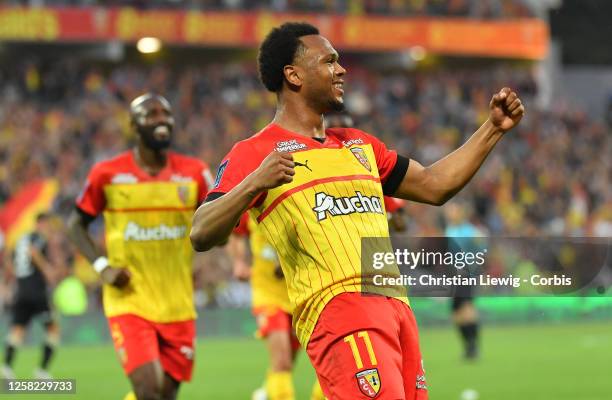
<point x="506" y="109"/>
<point x="275" y="170"/>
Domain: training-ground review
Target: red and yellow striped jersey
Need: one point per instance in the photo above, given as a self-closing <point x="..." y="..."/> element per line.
<point x="147" y="220"/>
<point x="268" y="288"/>
<point x="317" y="221"/>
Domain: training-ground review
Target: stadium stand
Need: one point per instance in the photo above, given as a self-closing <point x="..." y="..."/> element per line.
<point x="484" y="9"/>
<point x="61" y="118"/>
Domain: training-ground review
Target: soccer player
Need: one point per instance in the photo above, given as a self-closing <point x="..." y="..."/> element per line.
<point x="316" y="192"/>
<point x="35" y="273"/>
<point x="464" y="313"/>
<point x="147" y="196"/>
<point x="271" y="308"/>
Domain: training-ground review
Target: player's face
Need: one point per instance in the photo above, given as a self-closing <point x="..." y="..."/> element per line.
<point x="155" y="124"/>
<point x="323" y="76"/>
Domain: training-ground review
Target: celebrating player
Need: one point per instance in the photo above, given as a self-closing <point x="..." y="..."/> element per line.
<point x="147" y="195"/>
<point x="316" y="192"/>
<point x="34" y="272"/>
<point x="271" y="308"/>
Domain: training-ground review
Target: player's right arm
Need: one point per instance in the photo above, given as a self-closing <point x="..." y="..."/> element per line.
<point x="90" y="203"/>
<point x="236" y="190"/>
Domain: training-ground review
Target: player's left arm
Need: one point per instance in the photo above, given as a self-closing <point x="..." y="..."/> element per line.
<point x="440" y="181"/>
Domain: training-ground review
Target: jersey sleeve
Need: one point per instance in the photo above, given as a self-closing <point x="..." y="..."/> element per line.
<point x="91" y="200"/>
<point x="391" y="166"/>
<point x="205" y="181"/>
<point x="237" y="165"/>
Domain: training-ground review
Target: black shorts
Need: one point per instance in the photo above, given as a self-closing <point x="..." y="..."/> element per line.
<point x="24" y="309"/>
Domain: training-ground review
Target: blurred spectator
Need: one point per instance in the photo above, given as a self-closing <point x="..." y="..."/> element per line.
<point x="484" y="9"/>
<point x="548" y="177"/>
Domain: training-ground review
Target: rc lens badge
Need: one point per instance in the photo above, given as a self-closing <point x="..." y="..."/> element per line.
<point x="360" y="155"/>
<point x="369" y="382"/>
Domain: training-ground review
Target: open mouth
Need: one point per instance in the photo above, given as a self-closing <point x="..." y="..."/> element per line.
<point x="339" y="86"/>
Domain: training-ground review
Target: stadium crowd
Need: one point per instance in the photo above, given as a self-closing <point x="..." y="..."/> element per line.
<point x="548" y="177"/>
<point x="484" y="9"/>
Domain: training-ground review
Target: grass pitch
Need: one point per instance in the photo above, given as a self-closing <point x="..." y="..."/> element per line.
<point x="553" y="361"/>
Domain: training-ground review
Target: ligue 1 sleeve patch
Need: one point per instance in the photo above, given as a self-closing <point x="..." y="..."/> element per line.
<point x="369" y="382"/>
<point x="360" y="155"/>
<point x="220" y="172"/>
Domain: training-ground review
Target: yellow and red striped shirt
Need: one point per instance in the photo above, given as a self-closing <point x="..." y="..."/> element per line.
<point x="147" y="220"/>
<point x="316" y="222"/>
<point x="268" y="288"/>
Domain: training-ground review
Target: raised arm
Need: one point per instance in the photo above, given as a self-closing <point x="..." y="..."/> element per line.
<point x="440" y="181"/>
<point x="214" y="220"/>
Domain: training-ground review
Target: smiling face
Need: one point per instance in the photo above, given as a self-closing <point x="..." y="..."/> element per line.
<point x="153" y="121"/>
<point x="320" y="75"/>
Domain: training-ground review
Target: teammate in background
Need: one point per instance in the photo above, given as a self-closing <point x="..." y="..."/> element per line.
<point x="147" y="195"/>
<point x="271" y="308"/>
<point x="316" y="193"/>
<point x="465" y="315"/>
<point x="35" y="274"/>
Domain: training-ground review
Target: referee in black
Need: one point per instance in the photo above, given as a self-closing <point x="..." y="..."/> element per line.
<point x="34" y="274"/>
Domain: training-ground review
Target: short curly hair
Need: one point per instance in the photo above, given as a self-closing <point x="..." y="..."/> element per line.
<point x="279" y="49"/>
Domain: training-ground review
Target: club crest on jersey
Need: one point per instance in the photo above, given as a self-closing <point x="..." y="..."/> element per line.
<point x="369" y="382"/>
<point x="289" y="145"/>
<point x="325" y="203"/>
<point x="183" y="193"/>
<point x="360" y="155"/>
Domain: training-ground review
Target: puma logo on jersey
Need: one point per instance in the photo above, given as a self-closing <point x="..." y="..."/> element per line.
<point x="139" y="233"/>
<point x="325" y="203"/>
<point x="304" y="164"/>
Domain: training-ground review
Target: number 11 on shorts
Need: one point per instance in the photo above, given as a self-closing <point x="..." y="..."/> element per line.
<point x="350" y="339"/>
